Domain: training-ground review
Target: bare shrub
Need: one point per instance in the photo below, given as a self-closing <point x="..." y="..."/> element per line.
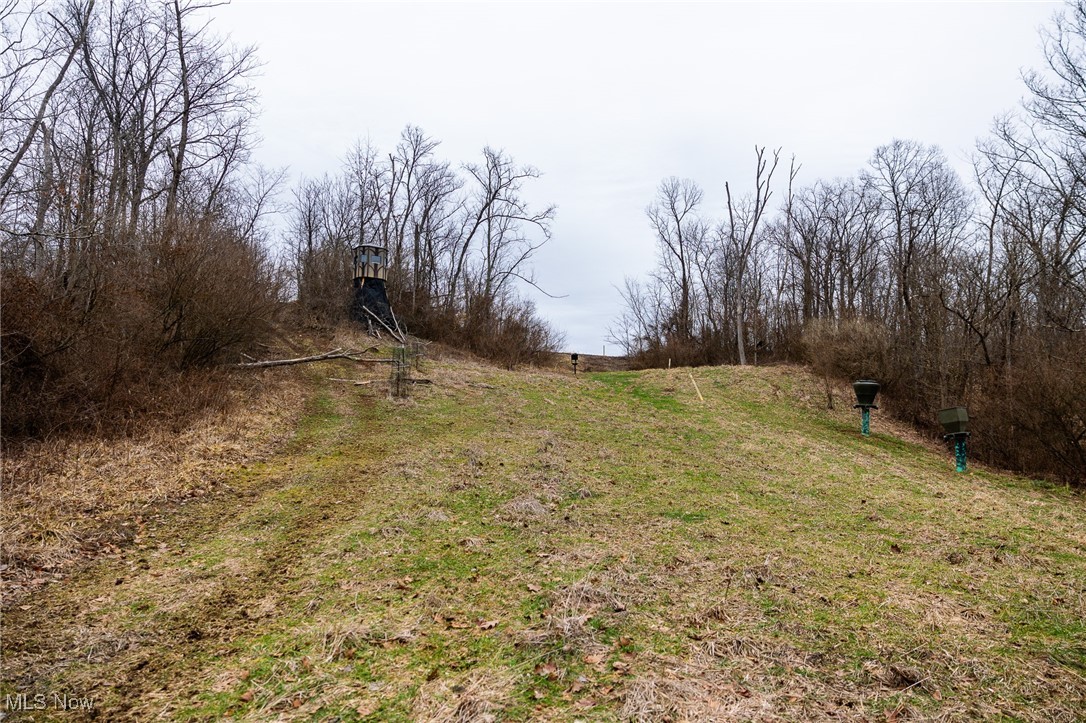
<point x="211" y="293"/>
<point x="508" y="332"/>
<point x="1035" y="418"/>
<point x="130" y="331"/>
<point x="849" y="349"/>
<point x="852" y="349"/>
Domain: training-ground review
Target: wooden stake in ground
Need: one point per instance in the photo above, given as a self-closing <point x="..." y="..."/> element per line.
<point x="690" y="374"/>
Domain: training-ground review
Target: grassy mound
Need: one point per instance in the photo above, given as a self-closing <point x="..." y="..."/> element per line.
<point x="534" y="546"/>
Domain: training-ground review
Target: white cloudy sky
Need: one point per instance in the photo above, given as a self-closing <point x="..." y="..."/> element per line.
<point x="608" y="98"/>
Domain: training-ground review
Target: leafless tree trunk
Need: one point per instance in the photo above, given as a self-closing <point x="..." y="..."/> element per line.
<point x="743" y="222"/>
<point x="673" y="218"/>
<point x="73" y="30"/>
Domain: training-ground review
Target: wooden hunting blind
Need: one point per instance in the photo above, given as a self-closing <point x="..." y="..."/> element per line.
<point x="370" y="262"/>
<point x="370" y="302"/>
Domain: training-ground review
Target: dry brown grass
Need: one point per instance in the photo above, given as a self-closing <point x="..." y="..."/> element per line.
<point x="69" y="500"/>
<point x="476" y="697"/>
<point x="524" y="508"/>
<point x="683" y="693"/>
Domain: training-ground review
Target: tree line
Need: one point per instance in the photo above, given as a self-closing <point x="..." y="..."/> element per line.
<point x="950" y="293"/>
<point x="459" y="239"/>
<point x="137" y="250"/>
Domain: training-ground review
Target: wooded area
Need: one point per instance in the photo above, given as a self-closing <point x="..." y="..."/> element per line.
<point x="136" y="241"/>
<point x="947" y="292"/>
<point x="137" y="246"/>
<point x="459" y="240"/>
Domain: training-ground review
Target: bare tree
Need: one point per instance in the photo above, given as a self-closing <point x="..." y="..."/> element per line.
<point x="678" y="230"/>
<point x="744" y="217"/>
<point x="1059" y="92"/>
<point x="133" y="233"/>
<point x="61" y="36"/>
<point x="496" y="221"/>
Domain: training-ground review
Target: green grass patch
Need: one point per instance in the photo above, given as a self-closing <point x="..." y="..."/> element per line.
<point x="531" y="546"/>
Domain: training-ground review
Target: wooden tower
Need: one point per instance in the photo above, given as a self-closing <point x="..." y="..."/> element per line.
<point x="370" y="302"/>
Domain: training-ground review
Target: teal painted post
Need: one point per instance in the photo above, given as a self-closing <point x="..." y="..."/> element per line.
<point x="865" y="423"/>
<point x="959" y="453"/>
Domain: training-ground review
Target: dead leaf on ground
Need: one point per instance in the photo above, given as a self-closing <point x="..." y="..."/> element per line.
<point x="547" y="670"/>
<point x="368" y="709"/>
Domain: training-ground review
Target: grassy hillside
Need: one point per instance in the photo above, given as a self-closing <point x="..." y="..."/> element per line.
<point x="534" y="546"/>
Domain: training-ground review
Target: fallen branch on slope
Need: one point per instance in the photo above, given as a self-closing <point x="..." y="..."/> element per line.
<point x="334" y="354"/>
<point x="397" y="337"/>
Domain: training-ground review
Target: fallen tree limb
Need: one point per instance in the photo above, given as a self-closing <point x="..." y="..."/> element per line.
<point x="395" y="336"/>
<point x="396" y="322"/>
<point x="334" y="354"/>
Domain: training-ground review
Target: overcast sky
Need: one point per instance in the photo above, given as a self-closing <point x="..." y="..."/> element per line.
<point x="607" y="99"/>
